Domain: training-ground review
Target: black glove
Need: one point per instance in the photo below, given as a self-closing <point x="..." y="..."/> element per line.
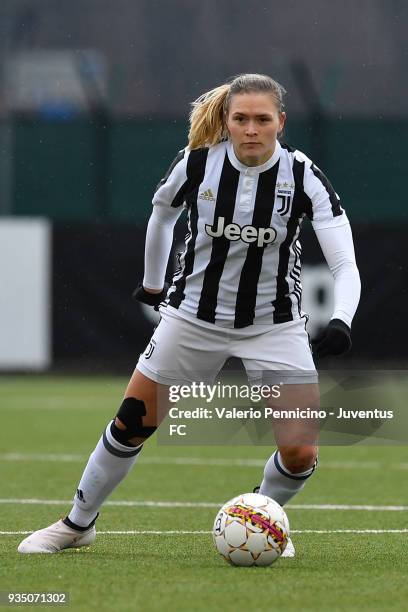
<point x="151" y="299"/>
<point x="335" y="340"/>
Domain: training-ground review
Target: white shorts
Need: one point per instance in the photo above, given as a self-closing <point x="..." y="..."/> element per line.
<point x="181" y="352"/>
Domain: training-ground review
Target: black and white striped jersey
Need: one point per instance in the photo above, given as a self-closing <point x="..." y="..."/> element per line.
<point x="241" y="261"/>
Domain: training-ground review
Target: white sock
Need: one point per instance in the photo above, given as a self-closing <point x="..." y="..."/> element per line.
<point x="279" y="483"/>
<point x="106" y="468"/>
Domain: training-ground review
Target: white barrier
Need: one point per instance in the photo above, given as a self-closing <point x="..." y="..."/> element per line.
<point x="25" y="300"/>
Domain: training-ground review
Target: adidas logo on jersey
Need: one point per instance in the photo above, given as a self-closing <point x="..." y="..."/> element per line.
<point x="248" y="233"/>
<point x="207" y="195"/>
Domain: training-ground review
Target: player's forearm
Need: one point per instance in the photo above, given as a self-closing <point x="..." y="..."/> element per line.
<point x="347" y="288"/>
<point x="159" y="239"/>
<point x="338" y="249"/>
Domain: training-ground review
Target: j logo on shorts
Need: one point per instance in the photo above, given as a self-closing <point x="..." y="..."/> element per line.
<point x="150" y="349"/>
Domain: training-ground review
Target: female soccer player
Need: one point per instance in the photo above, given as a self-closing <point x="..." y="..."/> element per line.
<point x="237" y="291"/>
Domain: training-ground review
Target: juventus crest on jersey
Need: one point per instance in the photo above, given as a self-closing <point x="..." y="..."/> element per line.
<point x="241" y="262"/>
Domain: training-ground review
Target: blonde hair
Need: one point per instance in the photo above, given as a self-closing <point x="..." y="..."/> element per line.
<point x="207" y="117"/>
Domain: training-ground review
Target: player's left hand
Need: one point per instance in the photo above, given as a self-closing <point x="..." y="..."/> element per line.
<point x="151" y="299"/>
<point x="335" y="340"/>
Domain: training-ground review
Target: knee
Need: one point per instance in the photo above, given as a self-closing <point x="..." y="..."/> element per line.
<point x="298" y="459"/>
<point x="129" y="425"/>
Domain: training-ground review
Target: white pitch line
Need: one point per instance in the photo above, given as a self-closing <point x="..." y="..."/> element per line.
<point x="135" y="503"/>
<point x="51" y="457"/>
<point x="347" y="507"/>
<point x="182" y="532"/>
<point x="200" y="461"/>
<point x="349" y="531"/>
<point x="187" y="504"/>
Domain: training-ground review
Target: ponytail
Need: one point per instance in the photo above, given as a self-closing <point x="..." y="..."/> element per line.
<point x="207" y="125"/>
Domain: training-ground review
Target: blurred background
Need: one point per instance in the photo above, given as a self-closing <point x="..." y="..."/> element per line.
<point x="94" y="102"/>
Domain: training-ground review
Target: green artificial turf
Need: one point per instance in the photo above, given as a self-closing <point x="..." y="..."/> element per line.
<point x="49" y="427"/>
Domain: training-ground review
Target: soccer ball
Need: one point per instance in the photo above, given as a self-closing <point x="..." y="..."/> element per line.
<point x="251" y="529"/>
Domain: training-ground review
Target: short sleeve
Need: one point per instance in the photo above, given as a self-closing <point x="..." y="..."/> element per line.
<point x="325" y="208"/>
<point x="171" y="191"/>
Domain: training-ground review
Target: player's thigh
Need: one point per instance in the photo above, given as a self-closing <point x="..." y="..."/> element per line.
<point x="295" y="416"/>
<point x="281" y="358"/>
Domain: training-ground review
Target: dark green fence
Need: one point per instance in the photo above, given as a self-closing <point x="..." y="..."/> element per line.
<point x="85" y="170"/>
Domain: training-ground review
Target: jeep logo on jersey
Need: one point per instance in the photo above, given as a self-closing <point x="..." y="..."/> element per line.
<point x="248" y="233"/>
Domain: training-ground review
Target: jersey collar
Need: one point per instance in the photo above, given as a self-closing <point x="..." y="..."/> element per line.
<point x="253" y="169"/>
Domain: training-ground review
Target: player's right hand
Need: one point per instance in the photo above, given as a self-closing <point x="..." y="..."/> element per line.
<point x="151" y="299"/>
